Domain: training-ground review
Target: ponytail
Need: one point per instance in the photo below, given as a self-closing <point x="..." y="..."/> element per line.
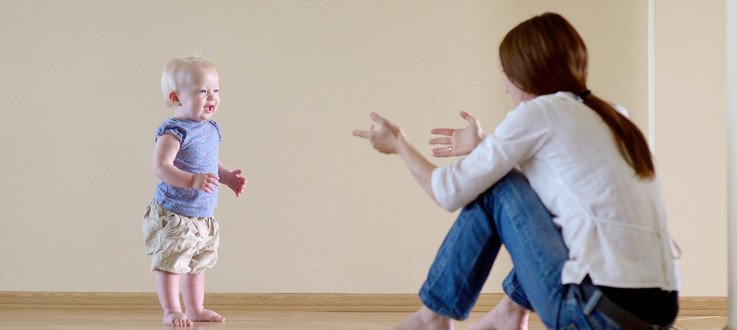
<point x="630" y="140"/>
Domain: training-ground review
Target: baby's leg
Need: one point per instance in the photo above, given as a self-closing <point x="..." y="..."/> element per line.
<point x="194" y="299"/>
<point x="167" y="287"/>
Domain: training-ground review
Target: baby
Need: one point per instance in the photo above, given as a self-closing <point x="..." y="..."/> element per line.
<point x="180" y="231"/>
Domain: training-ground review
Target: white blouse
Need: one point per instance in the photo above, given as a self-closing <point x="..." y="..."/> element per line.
<point x="613" y="223"/>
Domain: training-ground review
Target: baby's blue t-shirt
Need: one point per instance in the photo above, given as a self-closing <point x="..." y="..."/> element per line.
<point x="198" y="153"/>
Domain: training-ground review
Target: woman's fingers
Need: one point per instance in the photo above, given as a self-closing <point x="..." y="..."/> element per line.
<point x="468" y="117"/>
<point x="441" y="140"/>
<point x="378" y="119"/>
<point x="442" y="131"/>
<point x="442" y="152"/>
<point x="373" y="129"/>
<point x="362" y="134"/>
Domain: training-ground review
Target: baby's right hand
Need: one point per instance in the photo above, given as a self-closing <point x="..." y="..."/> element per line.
<point x="206" y="182"/>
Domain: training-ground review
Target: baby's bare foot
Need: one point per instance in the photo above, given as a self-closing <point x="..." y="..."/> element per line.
<point x="177" y="319"/>
<point x="205" y="315"/>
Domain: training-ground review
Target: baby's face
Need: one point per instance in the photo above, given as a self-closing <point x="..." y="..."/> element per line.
<point x="199" y="100"/>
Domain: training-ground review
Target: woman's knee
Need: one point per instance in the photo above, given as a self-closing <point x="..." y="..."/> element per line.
<point x="514" y="177"/>
<point x="513" y="187"/>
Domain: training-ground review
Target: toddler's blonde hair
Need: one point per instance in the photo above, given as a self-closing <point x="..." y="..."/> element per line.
<point x="178" y="74"/>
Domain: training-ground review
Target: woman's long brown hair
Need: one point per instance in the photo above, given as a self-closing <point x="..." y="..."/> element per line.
<point x="545" y="55"/>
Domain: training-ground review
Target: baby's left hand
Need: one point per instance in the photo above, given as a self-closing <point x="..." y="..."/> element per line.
<point x="235" y="181"/>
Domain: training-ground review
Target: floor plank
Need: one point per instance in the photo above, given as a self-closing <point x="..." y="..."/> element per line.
<point x="19" y="319"/>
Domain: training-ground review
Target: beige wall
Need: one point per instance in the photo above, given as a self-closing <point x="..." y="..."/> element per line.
<point x="691" y="139"/>
<point x="323" y="212"/>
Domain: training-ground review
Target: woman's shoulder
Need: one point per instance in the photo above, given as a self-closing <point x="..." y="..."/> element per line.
<point x="565" y="100"/>
<point x="541" y="106"/>
<point x="529" y="116"/>
<point x="564" y="104"/>
<point x="554" y="99"/>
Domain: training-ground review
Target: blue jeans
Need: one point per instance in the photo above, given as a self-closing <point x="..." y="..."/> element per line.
<point x="509" y="213"/>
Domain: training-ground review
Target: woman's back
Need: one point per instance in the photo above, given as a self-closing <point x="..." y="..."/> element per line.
<point x="609" y="217"/>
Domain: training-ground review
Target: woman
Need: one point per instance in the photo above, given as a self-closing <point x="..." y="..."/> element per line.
<point x="587" y="233"/>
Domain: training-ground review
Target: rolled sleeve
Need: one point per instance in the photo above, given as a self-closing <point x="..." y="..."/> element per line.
<point x="439" y="189"/>
<point x="460" y="183"/>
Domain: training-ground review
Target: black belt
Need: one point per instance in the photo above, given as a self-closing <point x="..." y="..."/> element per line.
<point x="596" y="300"/>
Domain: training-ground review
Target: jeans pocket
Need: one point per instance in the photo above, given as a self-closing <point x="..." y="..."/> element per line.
<point x="570" y="317"/>
<point x="572" y="313"/>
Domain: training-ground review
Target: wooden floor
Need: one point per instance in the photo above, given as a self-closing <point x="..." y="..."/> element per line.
<point x="17" y="319"/>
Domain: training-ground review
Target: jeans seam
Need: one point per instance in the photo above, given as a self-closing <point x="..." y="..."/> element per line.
<point x="511" y="291"/>
<point x="520" y="228"/>
<point x="524" y="236"/>
<point x="441" y="307"/>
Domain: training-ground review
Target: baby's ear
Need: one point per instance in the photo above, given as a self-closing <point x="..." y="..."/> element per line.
<point x="174" y="98"/>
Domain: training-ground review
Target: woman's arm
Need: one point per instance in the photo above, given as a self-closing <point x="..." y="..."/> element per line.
<point x="390" y="139"/>
<point x="165" y="151"/>
<point x="418" y="165"/>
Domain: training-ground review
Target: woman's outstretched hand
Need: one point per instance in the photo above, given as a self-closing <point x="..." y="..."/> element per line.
<point x="384" y="137"/>
<point x="458" y="141"/>
<point x="389" y="139"/>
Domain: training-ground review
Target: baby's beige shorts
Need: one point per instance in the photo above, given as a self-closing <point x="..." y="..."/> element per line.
<point x="179" y="244"/>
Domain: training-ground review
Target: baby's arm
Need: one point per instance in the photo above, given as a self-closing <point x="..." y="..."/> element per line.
<point x="165" y="151"/>
<point x="233" y="179"/>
